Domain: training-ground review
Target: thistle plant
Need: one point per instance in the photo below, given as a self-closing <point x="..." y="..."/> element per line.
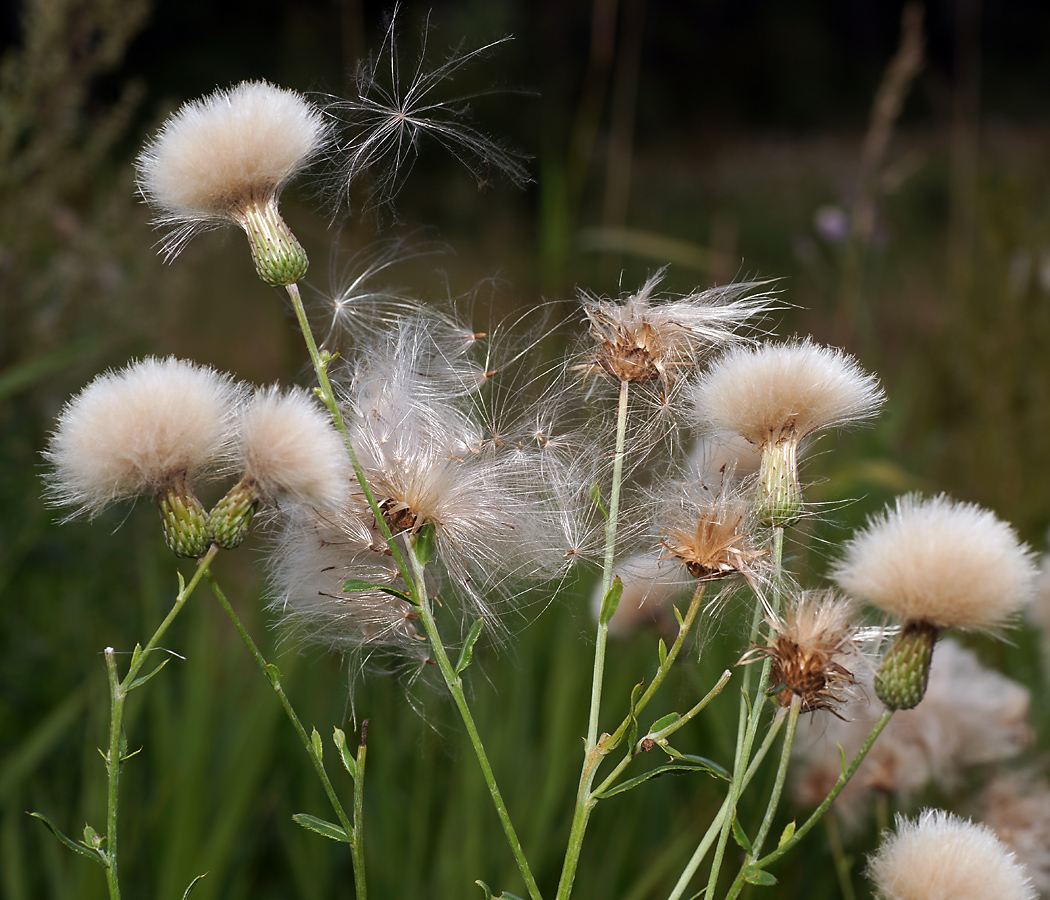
<point x="416" y="497"/>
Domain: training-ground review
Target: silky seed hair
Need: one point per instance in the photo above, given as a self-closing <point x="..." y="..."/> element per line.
<point x="939" y="561"/>
<point x="134" y="430"/>
<point x="229" y="151"/>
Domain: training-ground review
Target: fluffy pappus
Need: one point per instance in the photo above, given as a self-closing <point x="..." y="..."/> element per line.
<point x="138" y="430"/>
<point x="939" y="856"/>
<point x="939" y="561"/>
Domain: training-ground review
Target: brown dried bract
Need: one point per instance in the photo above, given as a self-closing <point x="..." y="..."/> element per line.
<point x="715" y="549"/>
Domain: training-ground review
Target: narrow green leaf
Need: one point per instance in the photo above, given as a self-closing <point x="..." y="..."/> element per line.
<point x="192" y="883"/>
<point x="274" y="674"/>
<point x="662" y="651"/>
<point x="145" y="678"/>
<point x="747" y="701"/>
<point x="425" y="541"/>
<point x="89" y="852"/>
<point x="467" y="653"/>
<point x="611" y="601"/>
<point x="758" y="876"/>
<point x="349" y="763"/>
<point x="320" y="826"/>
<point x="678" y="616"/>
<point x="661" y="723"/>
<point x="596" y="499"/>
<point x="315" y="739"/>
<point x="689" y="764"/>
<point x="787" y="834"/>
<point x="842" y="759"/>
<point x="357" y="586"/>
<point x="740" y="837"/>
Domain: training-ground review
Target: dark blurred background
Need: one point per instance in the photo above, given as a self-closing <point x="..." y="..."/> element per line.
<point x="888" y="164"/>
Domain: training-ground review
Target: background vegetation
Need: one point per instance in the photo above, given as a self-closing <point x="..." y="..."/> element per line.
<point x="724" y="138"/>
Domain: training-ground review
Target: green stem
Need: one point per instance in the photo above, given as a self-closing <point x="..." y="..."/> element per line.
<point x="593" y="751"/>
<point x="118" y="694"/>
<point x="774" y="799"/>
<point x="273" y="677"/>
<point x="801" y="832"/>
<point x="328" y="396"/>
<point x="358" y="846"/>
<point x="455" y="687"/>
<point x="715" y="828"/>
<point x="662" y="734"/>
<point x="750" y="713"/>
<point x="684" y="628"/>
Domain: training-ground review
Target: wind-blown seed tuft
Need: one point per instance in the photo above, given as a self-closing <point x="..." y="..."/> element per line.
<point x="950" y="564"/>
<point x="135" y="430"/>
<point x="939" y="856"/>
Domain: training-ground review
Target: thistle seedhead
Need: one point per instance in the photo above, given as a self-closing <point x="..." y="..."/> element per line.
<point x="154" y="427"/>
<point x="639" y="340"/>
<point x="225" y="158"/>
<point x="812" y="649"/>
<point x="939" y="561"/>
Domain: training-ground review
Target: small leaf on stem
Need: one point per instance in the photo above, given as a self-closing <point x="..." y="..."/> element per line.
<point x="339" y="738"/>
<point x="662" y="651"/>
<point x="740" y="837"/>
<point x="467" y="653"/>
<point x="192" y="884"/>
<point x="424" y="543"/>
<point x="90" y="852"/>
<point x="596" y="499"/>
<point x="315" y="739"/>
<point x="787" y="834"/>
<point x="320" y="826"/>
<point x="611" y="601"/>
<point x="758" y="876"/>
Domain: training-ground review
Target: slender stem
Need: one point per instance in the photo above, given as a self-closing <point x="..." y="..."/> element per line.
<point x="455" y="687"/>
<point x="801" y="832"/>
<point x="328" y="396"/>
<point x="593" y="750"/>
<point x="663" y="733"/>
<point x="610" y="554"/>
<point x="750" y="713"/>
<point x="715" y="828"/>
<point x="118" y="694"/>
<point x="661" y="673"/>
<point x="274" y="678"/>
<point x="357" y="848"/>
<point x="778" y="784"/>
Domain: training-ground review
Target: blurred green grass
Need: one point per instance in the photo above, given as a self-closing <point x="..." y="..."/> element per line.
<point x="956" y="326"/>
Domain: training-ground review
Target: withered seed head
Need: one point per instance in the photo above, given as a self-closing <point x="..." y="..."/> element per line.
<point x="809" y="648"/>
<point x="719" y="546"/>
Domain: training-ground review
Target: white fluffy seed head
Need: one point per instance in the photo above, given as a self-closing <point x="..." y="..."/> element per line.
<point x="939" y="856"/>
<point x="226" y="152"/>
<point x="136" y="430"/>
<point x="288" y="447"/>
<point x="777" y="392"/>
<point x="952" y="564"/>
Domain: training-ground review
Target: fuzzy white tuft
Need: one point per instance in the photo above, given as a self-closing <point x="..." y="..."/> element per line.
<point x="939" y="856"/>
<point x="133" y="431"/>
<point x="954" y="565"/>
<point x="232" y="150"/>
<point x="777" y="392"/>
<point x="289" y="448"/>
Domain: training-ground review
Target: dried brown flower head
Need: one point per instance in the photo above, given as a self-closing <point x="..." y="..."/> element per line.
<point x="717" y="546"/>
<point x="809" y="648"/>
